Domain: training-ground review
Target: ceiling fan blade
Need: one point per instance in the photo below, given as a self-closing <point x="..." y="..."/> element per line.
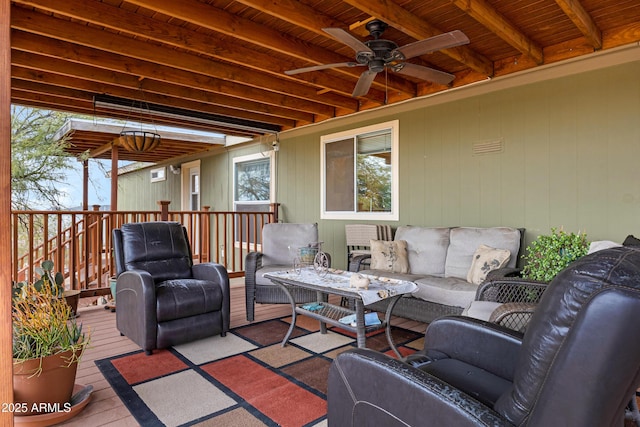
<point x="424" y="73"/>
<point x="432" y="44"/>
<point x="346" y="38"/>
<point x="321" y="67"/>
<point x="364" y="83"/>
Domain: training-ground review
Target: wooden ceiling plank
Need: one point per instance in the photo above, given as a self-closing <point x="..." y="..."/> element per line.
<point x="121" y="20"/>
<point x="60" y="72"/>
<point x="92" y="87"/>
<point x="581" y="19"/>
<point x="313" y="20"/>
<point x="417" y="28"/>
<point x="224" y="22"/>
<point x="79" y="34"/>
<point x="498" y="24"/>
<point x="84" y="55"/>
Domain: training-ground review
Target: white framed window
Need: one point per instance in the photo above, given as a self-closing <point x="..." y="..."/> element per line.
<point x="253" y="191"/>
<point x="158" y="174"/>
<point x="359" y="171"/>
<point x="190" y="177"/>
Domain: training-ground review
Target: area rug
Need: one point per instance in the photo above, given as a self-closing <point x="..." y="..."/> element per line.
<point x="243" y="379"/>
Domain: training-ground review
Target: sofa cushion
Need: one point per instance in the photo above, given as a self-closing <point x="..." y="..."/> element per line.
<point x="397" y="276"/>
<point x="389" y="256"/>
<point x="450" y="291"/>
<point x="486" y="259"/>
<point x="465" y="240"/>
<point x="426" y="248"/>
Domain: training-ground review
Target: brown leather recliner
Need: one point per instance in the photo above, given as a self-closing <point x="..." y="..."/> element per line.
<point x="577" y="364"/>
<point x="163" y="299"/>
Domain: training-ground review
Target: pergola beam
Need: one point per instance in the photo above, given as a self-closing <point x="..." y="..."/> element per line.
<point x="581" y="19"/>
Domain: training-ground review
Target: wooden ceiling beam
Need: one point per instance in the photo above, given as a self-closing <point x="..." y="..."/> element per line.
<point x="417" y="28"/>
<point x="82" y="55"/>
<point x="482" y="12"/>
<point x="72" y="32"/>
<point x="221" y="21"/>
<point x="581" y="19"/>
<point x="118" y="19"/>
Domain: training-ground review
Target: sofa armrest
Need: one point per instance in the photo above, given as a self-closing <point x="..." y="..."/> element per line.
<point x="511" y="289"/>
<point x="218" y="274"/>
<point x="479" y="343"/>
<point x="356" y="262"/>
<point x="503" y="272"/>
<point x="370" y="388"/>
<point x="136" y="314"/>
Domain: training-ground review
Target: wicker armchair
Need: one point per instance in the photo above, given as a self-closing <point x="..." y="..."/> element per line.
<point x="279" y="243"/>
<point x="507" y="301"/>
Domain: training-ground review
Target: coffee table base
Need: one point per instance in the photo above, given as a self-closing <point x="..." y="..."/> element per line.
<point x="331" y="314"/>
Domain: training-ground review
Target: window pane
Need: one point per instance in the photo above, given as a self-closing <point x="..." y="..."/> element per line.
<point x="339" y="176"/>
<point x="253" y="180"/>
<point x="373" y="172"/>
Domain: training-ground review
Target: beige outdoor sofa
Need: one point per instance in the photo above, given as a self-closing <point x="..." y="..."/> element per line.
<point x="439" y="262"/>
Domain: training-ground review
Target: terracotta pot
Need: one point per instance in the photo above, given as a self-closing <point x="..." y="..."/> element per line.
<point x="51" y="390"/>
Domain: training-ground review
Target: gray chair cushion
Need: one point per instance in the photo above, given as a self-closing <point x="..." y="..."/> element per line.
<point x="280" y="241"/>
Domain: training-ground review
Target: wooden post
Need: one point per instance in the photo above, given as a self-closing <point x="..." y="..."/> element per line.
<point x="114" y="177"/>
<point x="275" y="207"/>
<point x="85" y="185"/>
<point x="164" y="209"/>
<point x="6" y="342"/>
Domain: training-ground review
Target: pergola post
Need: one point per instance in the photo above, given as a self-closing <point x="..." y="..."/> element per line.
<point x="6" y="343"/>
<point x="114" y="177"/>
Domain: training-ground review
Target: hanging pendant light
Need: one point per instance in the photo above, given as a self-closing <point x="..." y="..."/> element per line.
<point x="140" y="141"/>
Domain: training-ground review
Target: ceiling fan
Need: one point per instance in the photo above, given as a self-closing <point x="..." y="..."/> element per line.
<point x="380" y="54"/>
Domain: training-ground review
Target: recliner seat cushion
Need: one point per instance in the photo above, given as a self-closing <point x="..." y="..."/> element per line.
<point x="176" y="299"/>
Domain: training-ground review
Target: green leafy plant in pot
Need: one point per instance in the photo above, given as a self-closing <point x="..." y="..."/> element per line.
<point x="48" y="342"/>
<point x="549" y="254"/>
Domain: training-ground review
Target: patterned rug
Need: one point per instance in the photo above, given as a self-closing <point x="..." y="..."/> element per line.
<point x="244" y="379"/>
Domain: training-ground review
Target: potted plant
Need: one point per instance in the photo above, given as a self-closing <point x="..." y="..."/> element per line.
<point x="546" y="256"/>
<point x="47" y="345"/>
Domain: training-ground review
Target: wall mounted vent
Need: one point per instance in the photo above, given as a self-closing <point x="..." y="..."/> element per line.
<point x="488" y="147"/>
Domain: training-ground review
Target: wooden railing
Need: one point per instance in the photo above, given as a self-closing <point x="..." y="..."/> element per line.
<point x="80" y="245"/>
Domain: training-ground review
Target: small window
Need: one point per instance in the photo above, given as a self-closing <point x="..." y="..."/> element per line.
<point x="158" y="174"/>
<point x="253" y="189"/>
<point x="360" y="173"/>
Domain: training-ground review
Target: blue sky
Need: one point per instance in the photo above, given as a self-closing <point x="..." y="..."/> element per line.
<point x="99" y="185"/>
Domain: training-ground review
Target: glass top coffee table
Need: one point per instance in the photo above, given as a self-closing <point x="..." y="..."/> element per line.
<point x="337" y="282"/>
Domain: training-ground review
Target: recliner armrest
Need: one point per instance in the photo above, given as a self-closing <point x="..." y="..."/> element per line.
<point x="136" y="296"/>
<point x="218" y="274"/>
<point x="486" y="345"/>
<point x="370" y="388"/>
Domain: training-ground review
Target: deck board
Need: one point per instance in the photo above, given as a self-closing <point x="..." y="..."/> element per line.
<point x="105" y="408"/>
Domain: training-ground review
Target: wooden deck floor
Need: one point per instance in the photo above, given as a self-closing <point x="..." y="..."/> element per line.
<point x="105" y="408"/>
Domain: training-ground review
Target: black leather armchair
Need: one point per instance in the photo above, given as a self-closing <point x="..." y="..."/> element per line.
<point x="576" y="365"/>
<point x="163" y="298"/>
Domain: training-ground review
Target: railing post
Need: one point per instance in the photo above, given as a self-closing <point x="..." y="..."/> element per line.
<point x="164" y="209"/>
<point x="275" y="207"/>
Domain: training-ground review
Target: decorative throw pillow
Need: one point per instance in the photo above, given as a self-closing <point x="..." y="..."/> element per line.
<point x="486" y="259"/>
<point x="389" y="256"/>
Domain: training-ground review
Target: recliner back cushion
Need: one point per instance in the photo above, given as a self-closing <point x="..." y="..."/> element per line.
<point x="161" y="248"/>
<point x="426" y="248"/>
<point x="464" y="241"/>
<point x="280" y="241"/>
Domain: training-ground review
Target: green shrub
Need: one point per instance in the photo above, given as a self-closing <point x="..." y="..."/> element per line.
<point x="546" y="256"/>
